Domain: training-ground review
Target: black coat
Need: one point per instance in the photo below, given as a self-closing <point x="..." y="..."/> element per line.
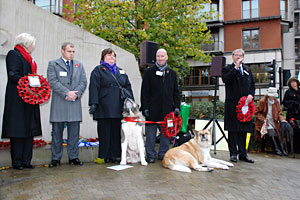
<point x="236" y="86"/>
<point x="20" y="119"/>
<point x="291" y="101"/>
<point x="159" y="94"/>
<point x="105" y="92"/>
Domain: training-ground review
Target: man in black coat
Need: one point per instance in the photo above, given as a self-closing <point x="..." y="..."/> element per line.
<point x="159" y="96"/>
<point x="239" y="82"/>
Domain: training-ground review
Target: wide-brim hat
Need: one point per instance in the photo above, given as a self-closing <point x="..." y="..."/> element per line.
<point x="272" y="92"/>
<point x="291" y="80"/>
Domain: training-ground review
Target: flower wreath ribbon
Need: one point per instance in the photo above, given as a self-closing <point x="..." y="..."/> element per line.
<point x="243" y="114"/>
<point x="34" y="95"/>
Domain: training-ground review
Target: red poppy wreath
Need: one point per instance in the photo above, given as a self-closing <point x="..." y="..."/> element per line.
<point x="171" y="125"/>
<point x="34" y="95"/>
<point x="245" y="114"/>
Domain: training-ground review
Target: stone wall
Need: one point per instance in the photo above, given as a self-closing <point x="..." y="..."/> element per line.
<point x="17" y="16"/>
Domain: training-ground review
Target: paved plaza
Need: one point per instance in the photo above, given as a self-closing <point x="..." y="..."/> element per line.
<point x="271" y="177"/>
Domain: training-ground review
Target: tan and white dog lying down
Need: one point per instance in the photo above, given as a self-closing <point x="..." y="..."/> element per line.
<point x="132" y="142"/>
<point x="194" y="154"/>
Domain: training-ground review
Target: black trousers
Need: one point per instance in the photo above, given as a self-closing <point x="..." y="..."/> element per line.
<point x="109" y="134"/>
<point x="237" y="139"/>
<point x="21" y="151"/>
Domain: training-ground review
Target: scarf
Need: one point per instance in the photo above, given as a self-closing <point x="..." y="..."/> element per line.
<point x="28" y="58"/>
<point x="112" y="68"/>
<point x="161" y="68"/>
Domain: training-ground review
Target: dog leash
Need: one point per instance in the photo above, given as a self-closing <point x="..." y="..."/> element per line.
<point x="167" y="130"/>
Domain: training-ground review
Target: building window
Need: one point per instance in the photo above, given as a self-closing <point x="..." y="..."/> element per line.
<point x="214" y="46"/>
<point x="250" y="9"/>
<point x="259" y="72"/>
<point x="199" y="76"/>
<point x="54" y="6"/>
<point x="297" y="4"/>
<point x="283" y="9"/>
<point x="251" y="39"/>
<point x="211" y="7"/>
<point x="297" y="23"/>
<point x="297" y="49"/>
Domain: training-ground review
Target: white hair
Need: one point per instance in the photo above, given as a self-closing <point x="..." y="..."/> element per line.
<point x="238" y="50"/>
<point x="163" y="50"/>
<point x="26" y="40"/>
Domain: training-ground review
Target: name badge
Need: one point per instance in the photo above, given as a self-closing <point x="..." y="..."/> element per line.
<point x="63" y="74"/>
<point x="122" y="72"/>
<point x="34" y="81"/>
<point x="170" y="123"/>
<point x="159" y="73"/>
<point x="246" y="73"/>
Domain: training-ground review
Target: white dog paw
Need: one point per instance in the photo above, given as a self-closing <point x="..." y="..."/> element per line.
<point x="123" y="162"/>
<point x="225" y="167"/>
<point x="230" y="165"/>
<point x="144" y="163"/>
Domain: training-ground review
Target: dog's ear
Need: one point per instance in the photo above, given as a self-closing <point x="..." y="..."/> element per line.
<point x="196" y="133"/>
<point x="210" y="129"/>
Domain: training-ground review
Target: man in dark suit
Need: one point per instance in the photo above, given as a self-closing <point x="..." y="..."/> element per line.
<point x="239" y="82"/>
<point x="67" y="80"/>
<point x="159" y="96"/>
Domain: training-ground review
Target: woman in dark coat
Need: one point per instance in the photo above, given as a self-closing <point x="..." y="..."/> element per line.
<point x="106" y="104"/>
<point x="21" y="121"/>
<point x="291" y="101"/>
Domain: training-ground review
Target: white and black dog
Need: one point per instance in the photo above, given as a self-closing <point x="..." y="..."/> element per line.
<point x="132" y="142"/>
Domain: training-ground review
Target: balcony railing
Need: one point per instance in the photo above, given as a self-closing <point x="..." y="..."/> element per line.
<point x="198" y="81"/>
<point x="216" y="46"/>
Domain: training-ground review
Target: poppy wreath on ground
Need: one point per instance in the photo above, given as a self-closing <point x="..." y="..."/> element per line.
<point x="39" y="143"/>
<point x="171" y="125"/>
<point x="247" y="117"/>
<point x="34" y="95"/>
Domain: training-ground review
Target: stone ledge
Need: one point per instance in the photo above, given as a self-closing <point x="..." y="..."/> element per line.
<point x="42" y="155"/>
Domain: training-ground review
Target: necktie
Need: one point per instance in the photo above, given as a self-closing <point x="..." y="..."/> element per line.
<point x="68" y="65"/>
<point x="241" y="71"/>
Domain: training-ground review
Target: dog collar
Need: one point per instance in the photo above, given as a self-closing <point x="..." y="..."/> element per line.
<point x="131" y="119"/>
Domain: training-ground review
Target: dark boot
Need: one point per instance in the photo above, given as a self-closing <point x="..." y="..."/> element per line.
<point x="276" y="148"/>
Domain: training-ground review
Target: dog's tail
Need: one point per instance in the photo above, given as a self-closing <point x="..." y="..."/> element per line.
<point x="179" y="168"/>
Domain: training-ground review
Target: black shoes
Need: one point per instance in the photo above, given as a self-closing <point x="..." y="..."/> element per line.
<point x="75" y="161"/>
<point x="246" y="159"/>
<point x="28" y="166"/>
<point x="233" y="158"/>
<point x="18" y="167"/>
<point x="54" y="163"/>
<point x="151" y="160"/>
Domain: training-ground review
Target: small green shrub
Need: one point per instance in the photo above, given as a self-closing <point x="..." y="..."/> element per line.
<point x="205" y="110"/>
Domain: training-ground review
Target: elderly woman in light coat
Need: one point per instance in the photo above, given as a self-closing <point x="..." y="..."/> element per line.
<point x="269" y="111"/>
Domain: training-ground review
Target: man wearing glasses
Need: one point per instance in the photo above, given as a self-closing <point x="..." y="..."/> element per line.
<point x="239" y="82"/>
<point x="67" y="80"/>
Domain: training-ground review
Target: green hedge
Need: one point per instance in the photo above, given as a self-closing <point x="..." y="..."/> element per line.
<point x="205" y="110"/>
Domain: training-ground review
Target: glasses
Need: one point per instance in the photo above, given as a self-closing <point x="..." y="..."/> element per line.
<point x="238" y="55"/>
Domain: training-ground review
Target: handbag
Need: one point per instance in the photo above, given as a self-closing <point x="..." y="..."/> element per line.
<point x="124" y="93"/>
<point x="263" y="130"/>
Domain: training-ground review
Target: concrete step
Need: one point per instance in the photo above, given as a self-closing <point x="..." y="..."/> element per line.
<point x="42" y="155"/>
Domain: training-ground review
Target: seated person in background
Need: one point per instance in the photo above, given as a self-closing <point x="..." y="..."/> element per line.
<point x="269" y="111"/>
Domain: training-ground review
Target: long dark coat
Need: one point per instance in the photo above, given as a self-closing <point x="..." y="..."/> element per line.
<point x="159" y="94"/>
<point x="291" y="100"/>
<point x="20" y="119"/>
<point x="236" y="86"/>
<point x="104" y="91"/>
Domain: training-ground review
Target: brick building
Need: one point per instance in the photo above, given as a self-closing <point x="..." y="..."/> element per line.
<point x="263" y="28"/>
